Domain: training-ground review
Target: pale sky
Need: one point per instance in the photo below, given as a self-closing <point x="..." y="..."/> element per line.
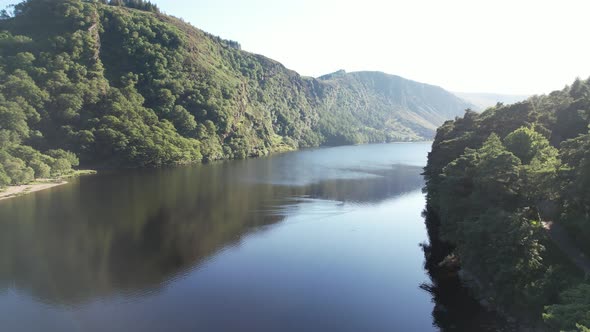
<point x="500" y="46"/>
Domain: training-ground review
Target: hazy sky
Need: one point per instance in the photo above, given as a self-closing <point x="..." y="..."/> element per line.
<point x="504" y="46"/>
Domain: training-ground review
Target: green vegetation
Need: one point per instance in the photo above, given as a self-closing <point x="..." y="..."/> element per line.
<point x="118" y="84"/>
<point x="574" y="307"/>
<point x="367" y="107"/>
<point x="493" y="177"/>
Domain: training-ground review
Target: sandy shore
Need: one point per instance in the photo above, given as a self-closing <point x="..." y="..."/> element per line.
<point x="15" y="191"/>
<point x="41" y="184"/>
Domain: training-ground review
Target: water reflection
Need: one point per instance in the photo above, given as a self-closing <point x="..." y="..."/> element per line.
<point x="129" y="233"/>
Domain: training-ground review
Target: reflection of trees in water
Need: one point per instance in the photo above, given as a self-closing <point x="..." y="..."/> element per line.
<point x="383" y="184"/>
<point x="455" y="309"/>
<point x="130" y="232"/>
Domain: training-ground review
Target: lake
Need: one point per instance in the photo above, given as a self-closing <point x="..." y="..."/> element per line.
<point x="317" y="240"/>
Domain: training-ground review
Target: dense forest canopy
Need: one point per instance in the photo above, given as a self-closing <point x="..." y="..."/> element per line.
<point x="119" y="84"/>
<point x="493" y="178"/>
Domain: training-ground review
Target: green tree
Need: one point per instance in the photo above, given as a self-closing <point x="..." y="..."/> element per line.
<point x="573" y="311"/>
<point x="526" y="143"/>
<point x="183" y="121"/>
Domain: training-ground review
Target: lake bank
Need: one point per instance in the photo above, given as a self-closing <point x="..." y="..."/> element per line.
<point x="16" y="191"/>
<point x="39" y="185"/>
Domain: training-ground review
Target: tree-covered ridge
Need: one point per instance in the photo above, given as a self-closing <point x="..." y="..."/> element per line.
<point x="137" y="4"/>
<point x="493" y="178"/>
<point x="119" y="84"/>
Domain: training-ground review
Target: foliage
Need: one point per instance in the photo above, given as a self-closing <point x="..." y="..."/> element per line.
<point x="575" y="181"/>
<point x="493" y="177"/>
<point x="137" y="4"/>
<point x="526" y="143"/>
<point x="574" y="306"/>
<point x="119" y="84"/>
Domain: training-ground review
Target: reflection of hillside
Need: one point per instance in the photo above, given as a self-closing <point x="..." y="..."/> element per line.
<point x="152" y="225"/>
<point x="384" y="184"/>
<point x="134" y="230"/>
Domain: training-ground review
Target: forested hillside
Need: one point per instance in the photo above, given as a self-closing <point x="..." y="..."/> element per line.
<point x="120" y="84"/>
<point x="493" y="178"/>
<point x="376" y="107"/>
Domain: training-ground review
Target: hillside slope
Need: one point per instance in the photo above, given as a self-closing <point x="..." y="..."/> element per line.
<point x="494" y="179"/>
<point x="394" y="108"/>
<point x="123" y="87"/>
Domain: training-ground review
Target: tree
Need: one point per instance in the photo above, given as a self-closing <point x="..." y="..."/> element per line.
<point x="573" y="310"/>
<point x="4" y="14"/>
<point x="526" y="143"/>
<point x="492" y="177"/>
<point x="504" y="250"/>
<point x="497" y="173"/>
<point x="183" y="121"/>
<point x="16" y="169"/>
<point x="13" y="124"/>
<point x="4" y="179"/>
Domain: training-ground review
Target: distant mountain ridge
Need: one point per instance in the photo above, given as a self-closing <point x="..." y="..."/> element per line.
<point x="484" y="100"/>
<point x="132" y="87"/>
<point x="407" y="108"/>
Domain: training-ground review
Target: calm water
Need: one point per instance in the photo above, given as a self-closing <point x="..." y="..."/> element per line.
<point x="317" y="240"/>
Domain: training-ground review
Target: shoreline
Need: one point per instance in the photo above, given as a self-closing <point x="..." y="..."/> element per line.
<point x="39" y="185"/>
<point x="21" y="190"/>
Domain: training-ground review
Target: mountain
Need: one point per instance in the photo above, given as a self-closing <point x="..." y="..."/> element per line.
<point x="399" y="109"/>
<point x="485" y="100"/>
<point x="508" y="197"/>
<point x="123" y="85"/>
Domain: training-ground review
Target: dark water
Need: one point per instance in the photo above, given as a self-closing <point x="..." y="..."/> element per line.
<point x="318" y="240"/>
